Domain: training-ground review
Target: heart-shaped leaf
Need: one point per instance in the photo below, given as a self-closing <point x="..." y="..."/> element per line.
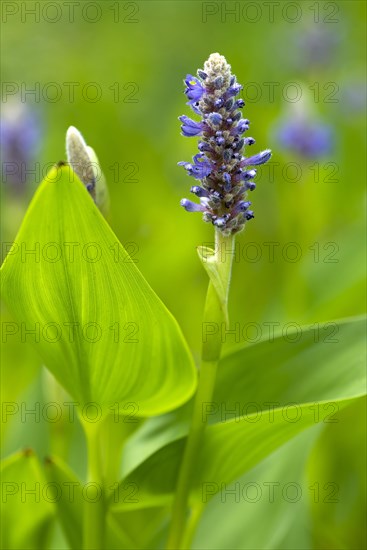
<point x="97" y="324"/>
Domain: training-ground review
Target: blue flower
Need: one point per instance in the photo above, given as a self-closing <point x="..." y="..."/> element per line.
<point x="20" y="139"/>
<point x="310" y="139"/>
<point x="215" y="119"/>
<point x="194" y="89"/>
<point x="192" y="206"/>
<point x="199" y="191"/>
<point x="200" y="169"/>
<point x="316" y="47"/>
<point x="248" y="175"/>
<point x="260" y="158"/>
<point x="233" y="90"/>
<point x="220" y="166"/>
<point x="241" y="127"/>
<point x="190" y="127"/>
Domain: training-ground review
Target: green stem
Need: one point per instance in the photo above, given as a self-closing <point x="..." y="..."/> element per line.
<point x="94" y="512"/>
<point x="216" y="315"/>
<point x="192" y="524"/>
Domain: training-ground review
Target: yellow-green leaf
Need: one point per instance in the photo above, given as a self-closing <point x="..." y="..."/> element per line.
<point x="26" y="510"/>
<point x="97" y="324"/>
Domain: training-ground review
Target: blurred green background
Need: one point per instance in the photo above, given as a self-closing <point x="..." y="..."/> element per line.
<point x="141" y="51"/>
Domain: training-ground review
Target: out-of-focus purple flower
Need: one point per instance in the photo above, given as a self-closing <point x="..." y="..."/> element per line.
<point x="220" y="166"/>
<point x="316" y="46"/>
<point x="20" y="137"/>
<point x="309" y="139"/>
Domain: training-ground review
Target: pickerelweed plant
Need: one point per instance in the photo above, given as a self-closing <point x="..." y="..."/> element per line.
<point x="118" y="353"/>
<point x="225" y="177"/>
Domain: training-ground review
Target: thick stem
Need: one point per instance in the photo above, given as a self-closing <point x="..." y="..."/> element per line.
<point x="211" y="349"/>
<point x="94" y="512"/>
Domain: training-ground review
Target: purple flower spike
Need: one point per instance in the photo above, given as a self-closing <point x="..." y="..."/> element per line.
<point x="220" y="166"/>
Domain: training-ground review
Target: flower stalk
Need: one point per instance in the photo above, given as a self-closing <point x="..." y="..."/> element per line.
<point x="211" y="349"/>
<point x="225" y="177"/>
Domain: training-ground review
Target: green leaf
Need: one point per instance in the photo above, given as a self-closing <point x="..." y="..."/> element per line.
<point x="248" y="382"/>
<point x="305" y="383"/>
<point x="210" y="262"/>
<point x="14" y="381"/>
<point x="102" y="331"/>
<point x="69" y="501"/>
<point x="142" y="527"/>
<point x="268" y="507"/>
<point x="154" y="434"/>
<point x="70" y="495"/>
<point x="318" y="362"/>
<point x="26" y="512"/>
<point x="224" y="457"/>
<point x="337" y="476"/>
<point x="15" y="351"/>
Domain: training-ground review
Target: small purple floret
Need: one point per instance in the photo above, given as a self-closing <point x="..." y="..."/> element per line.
<point x="200" y="169"/>
<point x="190" y="127"/>
<point x="258" y="159"/>
<point x="191" y="206"/>
<point x="194" y="89"/>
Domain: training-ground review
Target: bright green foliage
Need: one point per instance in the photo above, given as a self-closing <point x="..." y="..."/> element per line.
<point x="104" y="334"/>
<point x="312" y="379"/>
<point x="69" y="502"/>
<point x="26" y="512"/>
